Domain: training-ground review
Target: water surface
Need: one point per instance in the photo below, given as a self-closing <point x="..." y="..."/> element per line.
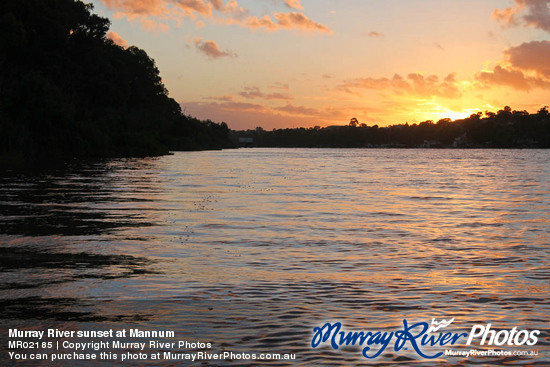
<point x="252" y="248"/>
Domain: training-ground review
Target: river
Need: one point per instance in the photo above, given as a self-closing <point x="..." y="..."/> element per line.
<point x="250" y="249"/>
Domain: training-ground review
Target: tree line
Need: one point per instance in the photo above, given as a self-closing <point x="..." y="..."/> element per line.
<point x="506" y="128"/>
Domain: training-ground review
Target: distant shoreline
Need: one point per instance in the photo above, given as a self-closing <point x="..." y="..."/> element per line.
<point x="505" y="129"/>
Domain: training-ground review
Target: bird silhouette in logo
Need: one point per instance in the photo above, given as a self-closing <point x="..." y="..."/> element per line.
<point x="436" y="325"/>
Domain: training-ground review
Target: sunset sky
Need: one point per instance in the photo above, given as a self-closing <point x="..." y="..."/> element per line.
<point x="292" y="63"/>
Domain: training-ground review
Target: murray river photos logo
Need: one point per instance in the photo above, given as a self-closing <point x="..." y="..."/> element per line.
<point x="420" y="336"/>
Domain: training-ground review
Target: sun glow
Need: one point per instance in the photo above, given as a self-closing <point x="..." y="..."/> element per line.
<point x="434" y="111"/>
<point x="454" y="115"/>
<point x="443" y="112"/>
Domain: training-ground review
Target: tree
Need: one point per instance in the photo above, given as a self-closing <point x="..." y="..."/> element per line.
<point x="67" y="91"/>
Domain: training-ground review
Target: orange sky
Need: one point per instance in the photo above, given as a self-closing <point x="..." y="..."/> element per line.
<point x="290" y="63"/>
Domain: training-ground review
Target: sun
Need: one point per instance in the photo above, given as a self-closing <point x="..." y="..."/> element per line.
<point x="444" y="112"/>
<point x="453" y="115"/>
<point x="435" y="111"/>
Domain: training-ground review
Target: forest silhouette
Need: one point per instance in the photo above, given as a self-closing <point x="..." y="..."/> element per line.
<point x="66" y="90"/>
<point x="506" y="128"/>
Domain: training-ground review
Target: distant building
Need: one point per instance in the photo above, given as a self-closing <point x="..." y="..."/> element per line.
<point x="246" y="142"/>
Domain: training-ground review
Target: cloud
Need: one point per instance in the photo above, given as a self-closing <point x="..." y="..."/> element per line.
<point x="531" y="56"/>
<point x="413" y="84"/>
<point x="264" y="22"/>
<point x="242" y="106"/>
<point x="199" y="6"/>
<point x="294" y="4"/>
<point x="149" y="12"/>
<point x="300" y="21"/>
<point x="141" y="8"/>
<point x="525" y="67"/>
<point x="255" y="92"/>
<point x="144" y="10"/>
<point x="280" y="96"/>
<point x="506" y="16"/>
<point x="374" y="34"/>
<point x="511" y="78"/>
<point x="292" y="20"/>
<point x="251" y="93"/>
<point x="136" y="7"/>
<point x="217" y="4"/>
<point x="532" y="13"/>
<point x="236" y="11"/>
<point x="211" y="49"/>
<point x="150" y="24"/>
<point x="281" y="86"/>
<point x="226" y="98"/>
<point x="298" y="110"/>
<point x="117" y="39"/>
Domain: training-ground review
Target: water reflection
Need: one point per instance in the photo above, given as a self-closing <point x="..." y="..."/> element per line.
<point x="252" y="248"/>
<point x="74" y="200"/>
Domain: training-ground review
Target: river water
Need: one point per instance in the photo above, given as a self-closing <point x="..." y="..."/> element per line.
<point x="251" y="249"/>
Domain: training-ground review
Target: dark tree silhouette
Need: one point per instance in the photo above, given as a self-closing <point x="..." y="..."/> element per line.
<point x="505" y="129"/>
<point x="68" y="91"/>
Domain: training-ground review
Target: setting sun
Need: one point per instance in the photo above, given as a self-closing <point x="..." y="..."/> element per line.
<point x="454" y="115"/>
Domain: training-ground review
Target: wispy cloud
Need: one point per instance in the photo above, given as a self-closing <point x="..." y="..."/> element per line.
<point x="225" y="98"/>
<point x="134" y="7"/>
<point x="374" y="34"/>
<point x="251" y="93"/>
<point x="211" y="49"/>
<point x="292" y="20"/>
<point x="279" y="85"/>
<point x="298" y="110"/>
<point x="255" y="92"/>
<point x="294" y="4"/>
<point x="280" y="96"/>
<point x="152" y="14"/>
<point x="413" y="84"/>
<point x="243" y="106"/>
